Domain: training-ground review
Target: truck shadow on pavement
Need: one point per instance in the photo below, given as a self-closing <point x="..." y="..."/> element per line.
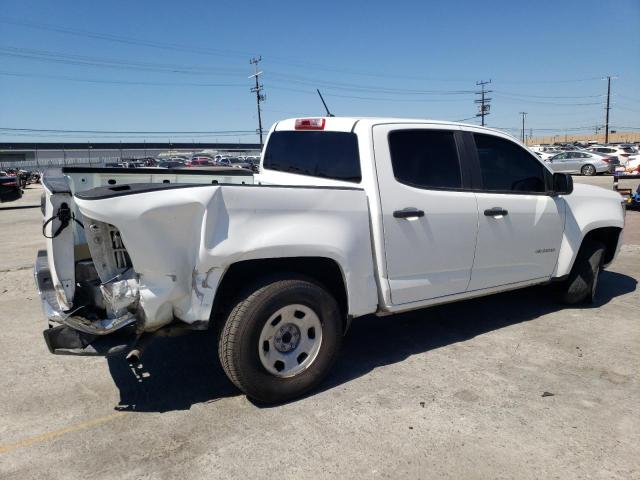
<point x="178" y="372"/>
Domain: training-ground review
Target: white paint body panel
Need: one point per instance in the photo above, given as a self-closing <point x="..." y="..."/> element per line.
<point x="588" y="207"/>
<point x="520" y="246"/>
<point x="61" y="249"/>
<point x="536" y="223"/>
<point x="182" y="241"/>
<point x="425" y="257"/>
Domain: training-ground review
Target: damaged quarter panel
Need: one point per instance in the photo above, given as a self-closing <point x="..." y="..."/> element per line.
<point x="182" y="240"/>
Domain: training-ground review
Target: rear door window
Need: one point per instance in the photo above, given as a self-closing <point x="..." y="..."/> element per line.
<point x="425" y="159"/>
<point x="323" y="154"/>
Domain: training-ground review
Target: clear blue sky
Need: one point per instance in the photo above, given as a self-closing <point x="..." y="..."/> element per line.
<point x="183" y="66"/>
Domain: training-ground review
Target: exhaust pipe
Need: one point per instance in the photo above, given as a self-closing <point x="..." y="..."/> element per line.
<point x="172" y="330"/>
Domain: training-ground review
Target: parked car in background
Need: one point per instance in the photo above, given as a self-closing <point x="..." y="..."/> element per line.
<point x="634" y="148"/>
<point x="547" y="153"/>
<point x="622" y="152"/>
<point x="240" y="162"/>
<point x="171" y="164"/>
<point x="9" y="188"/>
<point x="199" y="162"/>
<point x="583" y="162"/>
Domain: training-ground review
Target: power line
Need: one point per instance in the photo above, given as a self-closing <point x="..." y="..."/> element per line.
<point x="314" y="82"/>
<point x="203" y="51"/>
<point x="165" y="132"/>
<point x="83" y="60"/>
<point x="466" y="119"/>
<point x="235" y="53"/>
<point x="356" y="97"/>
<point x="273" y="86"/>
<point x="628" y="109"/>
<point x="120" y="82"/>
<point x="123" y="39"/>
<point x="547" y="96"/>
<point x="574" y="80"/>
<point x="539" y="102"/>
<point x="100" y="136"/>
<point x="628" y="98"/>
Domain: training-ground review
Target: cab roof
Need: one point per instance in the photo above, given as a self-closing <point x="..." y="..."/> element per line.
<point x="347" y="124"/>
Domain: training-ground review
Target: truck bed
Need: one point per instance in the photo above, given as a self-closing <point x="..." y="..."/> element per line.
<point x="158" y="251"/>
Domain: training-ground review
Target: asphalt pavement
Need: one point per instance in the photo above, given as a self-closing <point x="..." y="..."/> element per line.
<point x="508" y="386"/>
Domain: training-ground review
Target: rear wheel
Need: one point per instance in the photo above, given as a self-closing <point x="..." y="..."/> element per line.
<point x="582" y="283"/>
<point x="280" y="339"/>
<point x="588" y="170"/>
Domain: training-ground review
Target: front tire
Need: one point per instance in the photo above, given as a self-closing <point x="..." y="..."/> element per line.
<point x="280" y="339"/>
<point x="582" y="283"/>
<point x="588" y="170"/>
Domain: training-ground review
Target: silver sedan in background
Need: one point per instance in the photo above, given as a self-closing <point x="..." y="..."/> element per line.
<point x="583" y="162"/>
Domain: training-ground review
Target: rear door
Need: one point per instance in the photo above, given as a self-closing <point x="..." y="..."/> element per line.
<point x="520" y="226"/>
<point x="429" y="221"/>
<point x="574" y="162"/>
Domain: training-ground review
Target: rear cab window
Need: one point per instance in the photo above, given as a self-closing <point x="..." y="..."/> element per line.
<point x="324" y="154"/>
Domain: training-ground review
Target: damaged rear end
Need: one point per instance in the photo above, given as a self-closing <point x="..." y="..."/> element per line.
<point x="86" y="281"/>
<point x="95" y="297"/>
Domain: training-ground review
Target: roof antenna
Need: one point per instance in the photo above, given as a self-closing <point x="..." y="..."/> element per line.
<point x="329" y="114"/>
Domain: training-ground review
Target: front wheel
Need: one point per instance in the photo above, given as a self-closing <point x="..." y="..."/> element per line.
<point x="280" y="339"/>
<point x="588" y="170"/>
<point x="582" y="283"/>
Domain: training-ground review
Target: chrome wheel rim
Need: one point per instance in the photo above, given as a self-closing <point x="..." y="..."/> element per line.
<point x="588" y="170"/>
<point x="290" y="340"/>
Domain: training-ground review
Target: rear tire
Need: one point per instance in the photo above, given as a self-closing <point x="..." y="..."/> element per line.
<point x="280" y="339"/>
<point x="583" y="280"/>
<point x="588" y="170"/>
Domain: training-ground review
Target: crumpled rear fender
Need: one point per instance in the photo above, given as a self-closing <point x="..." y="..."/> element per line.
<point x="181" y="241"/>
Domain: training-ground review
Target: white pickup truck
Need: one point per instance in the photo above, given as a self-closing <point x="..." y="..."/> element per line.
<point x="347" y="217"/>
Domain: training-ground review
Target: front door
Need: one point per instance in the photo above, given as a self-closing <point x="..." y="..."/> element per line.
<point x="520" y="226"/>
<point x="429" y="223"/>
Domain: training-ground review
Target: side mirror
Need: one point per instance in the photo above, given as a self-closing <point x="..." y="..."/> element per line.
<point x="562" y="184"/>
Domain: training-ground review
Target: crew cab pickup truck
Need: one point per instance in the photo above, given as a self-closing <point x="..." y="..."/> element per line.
<point x="347" y="217"/>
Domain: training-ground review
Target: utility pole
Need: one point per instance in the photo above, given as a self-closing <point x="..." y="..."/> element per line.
<point x="258" y="91"/>
<point x="483" y="101"/>
<point x="606" y="123"/>
<point x="524" y="114"/>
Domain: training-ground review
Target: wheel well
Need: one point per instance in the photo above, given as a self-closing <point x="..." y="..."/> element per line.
<point x="608" y="236"/>
<point x="324" y="271"/>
